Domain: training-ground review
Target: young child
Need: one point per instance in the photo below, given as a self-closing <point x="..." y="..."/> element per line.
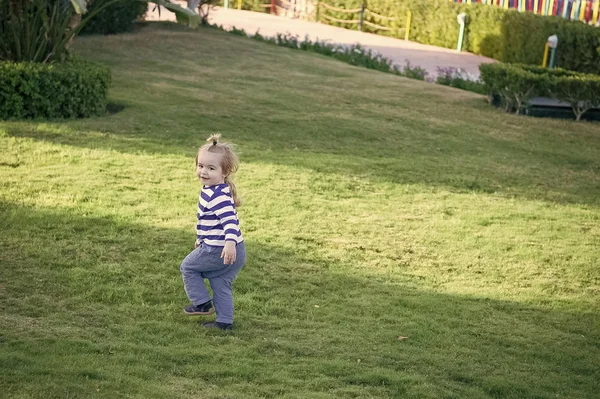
<point x="219" y="252"/>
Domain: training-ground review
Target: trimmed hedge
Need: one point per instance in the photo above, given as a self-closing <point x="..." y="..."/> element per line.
<point x="116" y="18"/>
<point x="74" y="89"/>
<point x="250" y="5"/>
<point x="515" y="84"/>
<point x="460" y="79"/>
<point x="525" y="35"/>
<point x="505" y="35"/>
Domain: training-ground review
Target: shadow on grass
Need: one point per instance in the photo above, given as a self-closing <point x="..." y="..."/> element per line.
<point x="113" y="108"/>
<point x="92" y="306"/>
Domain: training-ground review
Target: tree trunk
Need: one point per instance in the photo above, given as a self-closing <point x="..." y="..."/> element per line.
<point x="580" y="108"/>
<point x="203" y="10"/>
<point x="73" y="24"/>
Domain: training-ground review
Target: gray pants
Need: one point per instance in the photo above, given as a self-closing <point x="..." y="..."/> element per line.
<point x="206" y="262"/>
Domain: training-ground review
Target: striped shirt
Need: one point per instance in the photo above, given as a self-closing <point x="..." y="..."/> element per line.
<point x="217" y="217"/>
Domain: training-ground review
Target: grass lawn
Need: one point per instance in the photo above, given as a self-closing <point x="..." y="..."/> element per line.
<point x="375" y="207"/>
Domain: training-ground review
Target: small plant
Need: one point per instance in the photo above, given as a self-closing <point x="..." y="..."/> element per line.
<point x="460" y="79"/>
<point x="237" y="32"/>
<point x="287" y="40"/>
<point x="413" y="72"/>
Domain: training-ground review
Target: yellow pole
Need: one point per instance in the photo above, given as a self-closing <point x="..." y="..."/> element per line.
<point x="506" y="4"/>
<point x="536" y="5"/>
<point x="595" y="14"/>
<point x="408" y="21"/>
<point x="582" y="11"/>
<point x="239" y="4"/>
<point x="545" y="61"/>
<point x="551" y="7"/>
<point x="573" y="12"/>
<point x="543" y="10"/>
<point x="468" y="1"/>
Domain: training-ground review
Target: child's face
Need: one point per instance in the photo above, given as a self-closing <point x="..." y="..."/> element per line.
<point x="208" y="168"/>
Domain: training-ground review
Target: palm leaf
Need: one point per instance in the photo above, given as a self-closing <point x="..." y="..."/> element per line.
<point x="182" y="14"/>
<point x="80" y="6"/>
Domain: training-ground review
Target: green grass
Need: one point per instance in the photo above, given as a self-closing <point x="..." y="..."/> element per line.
<point x="375" y="207"/>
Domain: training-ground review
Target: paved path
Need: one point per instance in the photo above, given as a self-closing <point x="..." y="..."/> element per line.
<point x="399" y="51"/>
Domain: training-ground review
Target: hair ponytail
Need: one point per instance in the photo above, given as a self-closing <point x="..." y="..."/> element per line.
<point x="214" y="139"/>
<point x="233" y="190"/>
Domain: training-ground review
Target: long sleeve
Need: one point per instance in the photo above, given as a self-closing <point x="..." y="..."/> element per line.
<point x="217" y="217"/>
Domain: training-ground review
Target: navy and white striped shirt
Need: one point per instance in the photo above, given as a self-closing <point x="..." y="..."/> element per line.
<point x="217" y="217"/>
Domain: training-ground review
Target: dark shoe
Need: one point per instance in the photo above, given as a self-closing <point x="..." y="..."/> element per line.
<point x="222" y="326"/>
<point x="203" y="309"/>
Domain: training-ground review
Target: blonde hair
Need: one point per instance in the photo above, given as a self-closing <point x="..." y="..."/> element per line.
<point x="229" y="161"/>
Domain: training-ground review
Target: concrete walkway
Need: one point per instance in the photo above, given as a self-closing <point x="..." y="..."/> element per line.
<point x="399" y="51"/>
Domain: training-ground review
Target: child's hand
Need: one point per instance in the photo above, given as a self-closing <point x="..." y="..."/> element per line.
<point x="228" y="253"/>
<point x="196" y="245"/>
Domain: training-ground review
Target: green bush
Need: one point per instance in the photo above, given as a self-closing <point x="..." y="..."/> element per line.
<point x="515" y="84"/>
<point x="460" y="79"/>
<point x="580" y="91"/>
<point x="115" y="18"/>
<point x="73" y="89"/>
<point x="505" y="35"/>
<point x="524" y="36"/>
<point x="250" y="5"/>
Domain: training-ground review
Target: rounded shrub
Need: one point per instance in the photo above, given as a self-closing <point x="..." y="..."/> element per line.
<point x="515" y="84"/>
<point x="118" y="17"/>
<point x="74" y="89"/>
